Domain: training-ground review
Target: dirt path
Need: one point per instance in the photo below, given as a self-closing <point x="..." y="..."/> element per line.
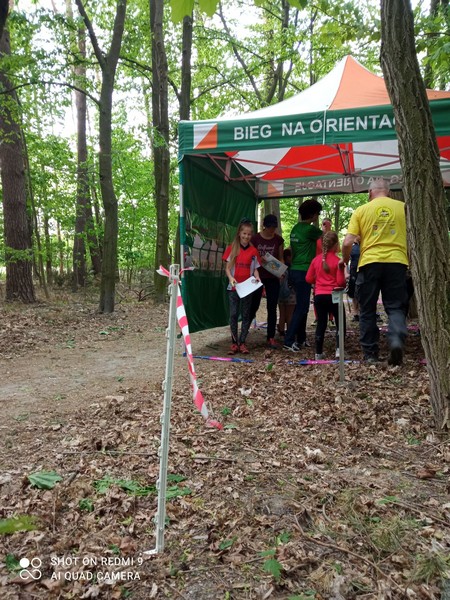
<point x="53" y="361"/>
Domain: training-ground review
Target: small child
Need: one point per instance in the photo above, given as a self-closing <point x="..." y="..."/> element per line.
<point x="325" y="274"/>
<point x="286" y="299"/>
<point x="241" y="259"/>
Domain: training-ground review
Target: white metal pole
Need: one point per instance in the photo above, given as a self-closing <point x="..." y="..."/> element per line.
<point x="163" y="451"/>
<point x="341" y="336"/>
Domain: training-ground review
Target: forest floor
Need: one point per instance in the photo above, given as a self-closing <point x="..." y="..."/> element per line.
<point x="314" y="489"/>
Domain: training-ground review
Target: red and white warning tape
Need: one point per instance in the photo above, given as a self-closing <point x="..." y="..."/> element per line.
<point x="199" y="401"/>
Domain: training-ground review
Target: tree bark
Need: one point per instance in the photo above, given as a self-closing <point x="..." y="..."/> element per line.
<point x="79" y="78"/>
<point x="424" y="195"/>
<point x="108" y="64"/>
<point x="160" y="112"/>
<point x="18" y="247"/>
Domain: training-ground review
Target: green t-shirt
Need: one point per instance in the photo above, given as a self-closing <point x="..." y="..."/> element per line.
<point x="303" y="245"/>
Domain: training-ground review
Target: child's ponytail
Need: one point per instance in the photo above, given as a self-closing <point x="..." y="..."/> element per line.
<point x="329" y="240"/>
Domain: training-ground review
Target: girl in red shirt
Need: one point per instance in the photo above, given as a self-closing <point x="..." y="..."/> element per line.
<point x="325" y="274"/>
<point x="241" y="259"/>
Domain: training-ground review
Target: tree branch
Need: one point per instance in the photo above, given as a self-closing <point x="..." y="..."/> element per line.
<point x="239" y="57"/>
<point x="119" y="25"/>
<point x="57" y="83"/>
<point x="98" y="52"/>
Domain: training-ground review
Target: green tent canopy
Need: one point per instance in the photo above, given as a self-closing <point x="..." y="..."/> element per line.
<point x="334" y="137"/>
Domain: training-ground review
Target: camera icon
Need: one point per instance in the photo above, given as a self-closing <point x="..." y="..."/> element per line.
<point x="31" y="569"/>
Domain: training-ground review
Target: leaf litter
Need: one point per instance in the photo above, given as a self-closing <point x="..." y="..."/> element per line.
<point x="313" y="490"/>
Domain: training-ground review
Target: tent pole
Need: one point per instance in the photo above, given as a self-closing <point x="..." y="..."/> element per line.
<point x="163" y="451"/>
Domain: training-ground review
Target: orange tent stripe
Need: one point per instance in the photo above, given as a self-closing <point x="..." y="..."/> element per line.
<point x="210" y="139"/>
<point x="360" y="87"/>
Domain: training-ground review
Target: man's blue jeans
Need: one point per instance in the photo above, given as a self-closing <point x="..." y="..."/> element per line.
<point x="390" y="280"/>
<point x="297" y="327"/>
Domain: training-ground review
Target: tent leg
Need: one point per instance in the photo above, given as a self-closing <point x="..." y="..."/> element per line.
<point x="341" y="336"/>
<point x="163" y="451"/>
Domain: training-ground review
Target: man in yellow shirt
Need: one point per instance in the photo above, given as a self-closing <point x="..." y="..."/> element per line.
<point x="383" y="262"/>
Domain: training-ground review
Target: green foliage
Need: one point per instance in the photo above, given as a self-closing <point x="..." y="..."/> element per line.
<point x="12" y="563"/>
<point x="86" y="505"/>
<point x="19" y="523"/>
<point x="226" y="544"/>
<point x="273" y="567"/>
<point x="433" y="565"/>
<point x="44" y="480"/>
<point x="135" y="488"/>
<point x="183" y="8"/>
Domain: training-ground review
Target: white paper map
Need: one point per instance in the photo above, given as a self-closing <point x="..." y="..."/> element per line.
<point x="273" y="265"/>
<point x="247" y="287"/>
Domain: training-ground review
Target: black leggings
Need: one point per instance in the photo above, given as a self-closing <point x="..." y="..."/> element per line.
<point x="324" y="305"/>
<point x="242" y="305"/>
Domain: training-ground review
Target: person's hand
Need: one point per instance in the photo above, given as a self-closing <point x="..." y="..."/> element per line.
<point x="341" y="264"/>
<point x="233" y="282"/>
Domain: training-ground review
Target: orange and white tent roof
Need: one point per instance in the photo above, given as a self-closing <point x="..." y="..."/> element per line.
<point x="333" y="137"/>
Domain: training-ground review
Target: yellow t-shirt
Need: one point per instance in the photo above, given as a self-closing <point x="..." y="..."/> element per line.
<point x="381" y="223"/>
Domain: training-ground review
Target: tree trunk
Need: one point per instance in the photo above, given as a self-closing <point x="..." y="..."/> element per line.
<point x="48" y="251"/>
<point x="108" y="63"/>
<point x="18" y="247"/>
<point x="109" y="264"/>
<point x="79" y="243"/>
<point x="160" y="112"/>
<point x="424" y="194"/>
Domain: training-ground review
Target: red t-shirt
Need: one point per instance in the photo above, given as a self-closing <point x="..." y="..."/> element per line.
<point x="245" y="264"/>
<point x="325" y="283"/>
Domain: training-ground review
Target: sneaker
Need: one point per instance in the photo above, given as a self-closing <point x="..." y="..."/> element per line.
<point x="304" y="344"/>
<point x="319" y="356"/>
<point x="271" y="343"/>
<point x="395" y="356"/>
<point x="331" y="324"/>
<point x="293" y="348"/>
<point x="234" y="349"/>
<point x="243" y="348"/>
<point x="337" y="353"/>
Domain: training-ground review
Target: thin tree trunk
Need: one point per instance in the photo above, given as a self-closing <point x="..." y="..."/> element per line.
<point x="424" y="194"/>
<point x="60" y="249"/>
<point x="79" y="244"/>
<point x="48" y="250"/>
<point x="160" y="112"/>
<point x="108" y="63"/>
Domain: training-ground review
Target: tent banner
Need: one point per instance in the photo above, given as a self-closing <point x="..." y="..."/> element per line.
<point x="326" y="127"/>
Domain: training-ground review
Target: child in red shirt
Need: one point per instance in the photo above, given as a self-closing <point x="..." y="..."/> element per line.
<point x="325" y="274"/>
<point x="241" y="259"/>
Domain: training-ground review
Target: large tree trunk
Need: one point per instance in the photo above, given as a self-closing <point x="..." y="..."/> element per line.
<point x="160" y="112"/>
<point x="424" y="195"/>
<point x="108" y="64"/>
<point x="18" y="247"/>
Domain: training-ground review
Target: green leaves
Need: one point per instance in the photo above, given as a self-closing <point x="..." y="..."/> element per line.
<point x="273" y="567"/>
<point x="44" y="480"/>
<point x="135" y="488"/>
<point x="298" y="3"/>
<point x="183" y="8"/>
<point x="20" y="523"/>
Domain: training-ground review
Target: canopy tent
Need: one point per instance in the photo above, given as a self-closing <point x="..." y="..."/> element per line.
<point x="334" y="137"/>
